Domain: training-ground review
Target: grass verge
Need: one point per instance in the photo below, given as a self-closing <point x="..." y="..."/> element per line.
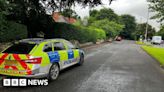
<point x="140" y="43"/>
<point x="157" y="53"/>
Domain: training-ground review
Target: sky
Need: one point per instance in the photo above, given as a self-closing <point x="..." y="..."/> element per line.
<point x="137" y="8"/>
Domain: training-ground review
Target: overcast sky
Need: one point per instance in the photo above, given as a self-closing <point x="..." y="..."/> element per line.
<point x="137" y="8"/>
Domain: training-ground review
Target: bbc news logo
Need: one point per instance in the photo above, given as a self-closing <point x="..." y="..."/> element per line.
<point x="25" y="82"/>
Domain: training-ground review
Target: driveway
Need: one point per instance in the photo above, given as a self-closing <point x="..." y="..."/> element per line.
<point x="116" y="67"/>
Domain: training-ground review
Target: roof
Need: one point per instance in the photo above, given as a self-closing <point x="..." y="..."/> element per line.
<point x="37" y="40"/>
<point x="57" y="17"/>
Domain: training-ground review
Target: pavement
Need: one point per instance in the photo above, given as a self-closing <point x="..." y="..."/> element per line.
<point x="115" y="67"/>
<point x="156" y="45"/>
<point x="159" y="46"/>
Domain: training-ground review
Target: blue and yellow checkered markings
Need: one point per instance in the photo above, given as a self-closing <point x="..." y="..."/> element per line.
<point x="54" y="56"/>
<point x="68" y="57"/>
<point x="70" y="54"/>
<point x="71" y="57"/>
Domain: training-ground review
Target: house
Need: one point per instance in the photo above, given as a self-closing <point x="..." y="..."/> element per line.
<point x="59" y="18"/>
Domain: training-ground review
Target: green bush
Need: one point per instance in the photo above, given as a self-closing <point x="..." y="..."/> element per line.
<point x="96" y="34"/>
<point x="13" y="31"/>
<point x="112" y="29"/>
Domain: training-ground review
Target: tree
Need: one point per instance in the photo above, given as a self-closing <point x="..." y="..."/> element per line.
<point x="130" y="26"/>
<point x="107" y="20"/>
<point x="36" y="14"/>
<point x="161" y="32"/>
<point x="65" y="4"/>
<point x="105" y="13"/>
<point x="70" y="13"/>
<point x="158" y="7"/>
<point x="9" y="30"/>
<point x="111" y="28"/>
<point x="93" y="13"/>
<point x="3" y="13"/>
<point x="140" y="31"/>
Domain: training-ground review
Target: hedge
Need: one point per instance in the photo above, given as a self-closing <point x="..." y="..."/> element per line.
<point x="82" y="34"/>
<point x="74" y="32"/>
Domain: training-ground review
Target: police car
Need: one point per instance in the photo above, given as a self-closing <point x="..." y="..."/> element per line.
<point x="37" y="58"/>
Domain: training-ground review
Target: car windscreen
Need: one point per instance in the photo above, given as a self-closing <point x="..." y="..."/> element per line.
<point x="20" y="48"/>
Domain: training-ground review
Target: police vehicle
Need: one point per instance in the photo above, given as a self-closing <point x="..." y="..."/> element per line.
<point x="37" y="58"/>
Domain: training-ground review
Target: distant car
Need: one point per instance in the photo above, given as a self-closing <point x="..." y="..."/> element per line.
<point x="156" y="40"/>
<point x="118" y="38"/>
<point x="37" y="58"/>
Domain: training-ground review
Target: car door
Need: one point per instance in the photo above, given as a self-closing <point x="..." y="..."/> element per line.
<point x="61" y="53"/>
<point x="73" y="53"/>
<point x="49" y="50"/>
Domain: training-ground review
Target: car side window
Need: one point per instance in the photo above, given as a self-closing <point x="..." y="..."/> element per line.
<point x="48" y="48"/>
<point x="59" y="46"/>
<point x="70" y="45"/>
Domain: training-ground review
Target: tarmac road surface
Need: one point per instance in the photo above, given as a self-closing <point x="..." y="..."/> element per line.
<point x="116" y="67"/>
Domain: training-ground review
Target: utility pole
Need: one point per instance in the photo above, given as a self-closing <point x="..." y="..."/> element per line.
<point x="147" y="25"/>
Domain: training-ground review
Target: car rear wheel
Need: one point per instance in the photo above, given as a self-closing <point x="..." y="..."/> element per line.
<point x="54" y="72"/>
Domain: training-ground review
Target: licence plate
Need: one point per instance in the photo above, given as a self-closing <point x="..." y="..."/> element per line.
<point x="11" y="72"/>
<point x="11" y="63"/>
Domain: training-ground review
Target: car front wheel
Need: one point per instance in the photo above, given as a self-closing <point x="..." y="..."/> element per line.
<point x="81" y="60"/>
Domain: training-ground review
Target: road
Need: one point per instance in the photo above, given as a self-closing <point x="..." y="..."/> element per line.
<point x="116" y="67"/>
